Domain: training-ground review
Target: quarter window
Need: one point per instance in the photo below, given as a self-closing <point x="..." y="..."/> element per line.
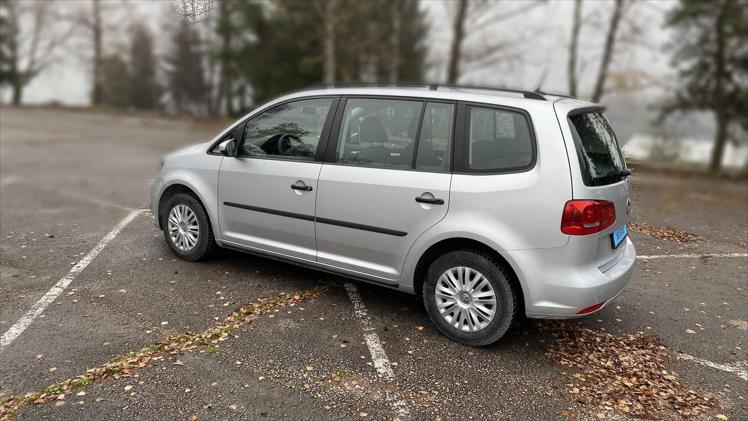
<point x="288" y="131"/>
<point x="435" y="141"/>
<point x="499" y="140"/>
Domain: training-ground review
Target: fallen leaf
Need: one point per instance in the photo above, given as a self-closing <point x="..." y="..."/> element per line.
<point x="739" y="324"/>
<point x="128" y="387"/>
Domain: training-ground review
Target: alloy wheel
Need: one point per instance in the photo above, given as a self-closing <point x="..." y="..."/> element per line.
<point x="183" y="227"/>
<point x="465" y="299"/>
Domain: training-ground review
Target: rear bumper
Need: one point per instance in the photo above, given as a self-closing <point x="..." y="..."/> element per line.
<point x="557" y="288"/>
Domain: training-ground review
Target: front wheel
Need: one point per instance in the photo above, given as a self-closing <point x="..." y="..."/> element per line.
<point x="469" y="298"/>
<point x="186" y="228"/>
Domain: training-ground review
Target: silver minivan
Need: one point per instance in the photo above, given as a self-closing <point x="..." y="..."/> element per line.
<point x="488" y="204"/>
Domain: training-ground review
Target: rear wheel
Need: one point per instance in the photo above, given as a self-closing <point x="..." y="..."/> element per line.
<point x="468" y="296"/>
<point x="186" y="228"/>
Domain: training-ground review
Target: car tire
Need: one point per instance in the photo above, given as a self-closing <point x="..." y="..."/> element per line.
<point x="183" y="243"/>
<point x="465" y="317"/>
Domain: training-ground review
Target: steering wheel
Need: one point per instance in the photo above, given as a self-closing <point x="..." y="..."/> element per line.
<point x="284" y="143"/>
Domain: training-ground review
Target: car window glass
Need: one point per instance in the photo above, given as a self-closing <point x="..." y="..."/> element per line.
<point x="288" y="131"/>
<point x="499" y="140"/>
<point x="378" y="133"/>
<point x="598" y="148"/>
<point x="435" y="140"/>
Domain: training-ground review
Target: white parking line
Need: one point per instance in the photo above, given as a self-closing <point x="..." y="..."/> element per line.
<point x="54" y="292"/>
<point x="691" y="256"/>
<point x="738" y="368"/>
<point x="378" y="356"/>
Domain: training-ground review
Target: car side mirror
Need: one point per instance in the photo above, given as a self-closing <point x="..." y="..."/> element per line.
<point x="227" y="147"/>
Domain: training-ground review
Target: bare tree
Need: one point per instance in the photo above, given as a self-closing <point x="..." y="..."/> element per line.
<point x="458" y="35"/>
<point x="194" y="10"/>
<point x="94" y="25"/>
<point x="395" y="41"/>
<point x="32" y="40"/>
<point x="330" y="9"/>
<point x="575" y="26"/>
<point x="472" y="17"/>
<point x="610" y="39"/>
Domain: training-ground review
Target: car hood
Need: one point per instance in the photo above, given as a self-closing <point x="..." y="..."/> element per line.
<point x="188" y="150"/>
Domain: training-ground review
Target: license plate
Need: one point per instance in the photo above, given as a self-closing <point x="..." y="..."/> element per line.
<point x="619" y="235"/>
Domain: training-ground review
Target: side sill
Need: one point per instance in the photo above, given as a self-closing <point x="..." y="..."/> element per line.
<point x="307" y="264"/>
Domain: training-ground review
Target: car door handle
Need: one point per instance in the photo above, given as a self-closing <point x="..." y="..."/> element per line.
<point x="301" y="186"/>
<point x="429" y="200"/>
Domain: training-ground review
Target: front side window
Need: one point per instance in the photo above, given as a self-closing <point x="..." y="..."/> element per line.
<point x="499" y="140"/>
<point x="288" y="131"/>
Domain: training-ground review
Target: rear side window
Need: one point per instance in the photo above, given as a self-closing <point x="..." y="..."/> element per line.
<point x="597" y="148"/>
<point x="389" y="133"/>
<point x="499" y="140"/>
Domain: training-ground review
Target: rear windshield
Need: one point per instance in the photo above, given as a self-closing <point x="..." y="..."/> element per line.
<point x="597" y="148"/>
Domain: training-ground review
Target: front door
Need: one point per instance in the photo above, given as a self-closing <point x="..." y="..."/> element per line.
<point x="389" y="183"/>
<point x="267" y="192"/>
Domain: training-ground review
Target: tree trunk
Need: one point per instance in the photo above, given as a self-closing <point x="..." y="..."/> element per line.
<point x="96" y="31"/>
<point x="225" y="85"/>
<point x="720" y="108"/>
<point x="610" y="39"/>
<point x="458" y="34"/>
<point x="15" y="68"/>
<point x="17" y="89"/>
<point x="329" y="44"/>
<point x="395" y="43"/>
<point x="575" y="26"/>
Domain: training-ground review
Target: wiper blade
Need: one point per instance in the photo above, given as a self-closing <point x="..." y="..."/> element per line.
<point x="598" y="181"/>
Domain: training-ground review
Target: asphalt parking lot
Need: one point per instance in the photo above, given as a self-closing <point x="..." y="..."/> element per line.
<point x="69" y="178"/>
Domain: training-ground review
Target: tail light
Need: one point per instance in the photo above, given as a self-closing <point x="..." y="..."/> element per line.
<point x="591" y="309"/>
<point x="582" y="217"/>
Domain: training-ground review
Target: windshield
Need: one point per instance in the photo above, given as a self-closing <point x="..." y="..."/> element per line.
<point x="599" y="153"/>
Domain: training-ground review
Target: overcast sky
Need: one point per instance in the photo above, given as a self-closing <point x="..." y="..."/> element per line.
<point x="520" y="52"/>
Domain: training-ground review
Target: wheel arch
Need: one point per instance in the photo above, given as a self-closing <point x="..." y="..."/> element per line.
<point x="462" y="243"/>
<point x="174" y="189"/>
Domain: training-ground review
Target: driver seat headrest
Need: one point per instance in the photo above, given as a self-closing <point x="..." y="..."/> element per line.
<point x="373" y="131"/>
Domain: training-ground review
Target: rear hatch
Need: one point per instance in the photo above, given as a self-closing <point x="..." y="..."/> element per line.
<point x="602" y="176"/>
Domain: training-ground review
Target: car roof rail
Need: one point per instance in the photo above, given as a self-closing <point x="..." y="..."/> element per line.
<point x="526" y="94"/>
<point x="432" y="87"/>
<point x="556" y="94"/>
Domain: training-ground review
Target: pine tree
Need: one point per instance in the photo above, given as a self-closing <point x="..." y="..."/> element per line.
<point x="115" y="77"/>
<point x="144" y="87"/>
<point x="711" y="55"/>
<point x="187" y="86"/>
<point x="287" y="46"/>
